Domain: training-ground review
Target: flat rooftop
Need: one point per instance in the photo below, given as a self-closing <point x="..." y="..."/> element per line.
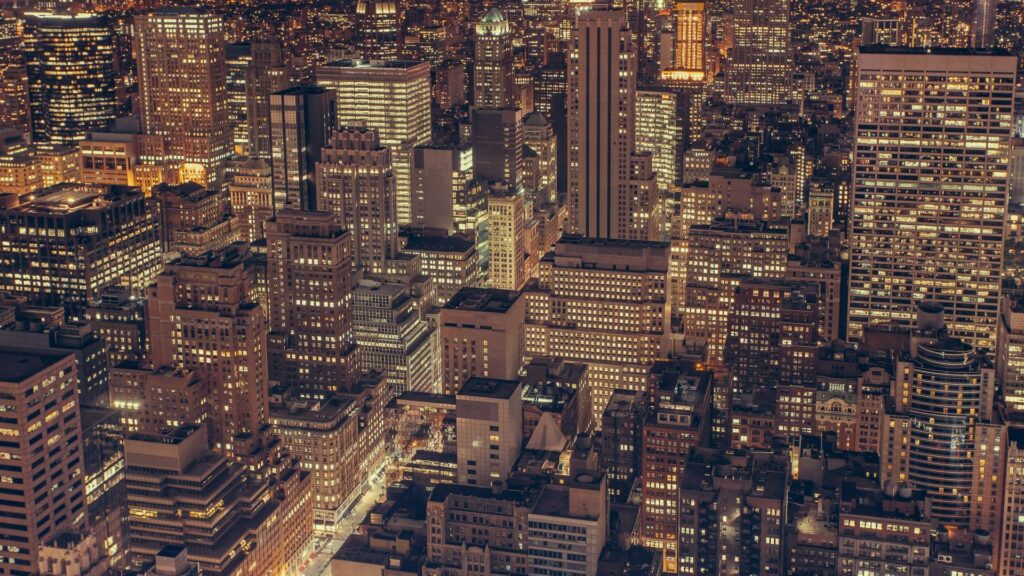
<point x="19" y="366"/>
<point x="489" y="388"/>
<point x="483" y="300"/>
<point x="420" y="243"/>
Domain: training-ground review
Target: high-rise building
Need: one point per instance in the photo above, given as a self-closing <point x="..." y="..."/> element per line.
<point x="935" y="234"/>
<point x="158" y="399"/>
<point x="193" y="219"/>
<point x="481" y="335"/>
<point x="120" y="320"/>
<point x="678" y="418"/>
<point x="880" y="31"/>
<point x="445" y="194"/>
<point x="688" y="63"/>
<point x="601" y="303"/>
<point x="488" y="429"/>
<point x="946" y="389"/>
<point x="183" y="92"/>
<point x="252" y="197"/>
<point x="1011" y="545"/>
<point x="69" y="242"/>
<point x="540" y="159"/>
<point x="983" y="24"/>
<point x="1009" y="356"/>
<point x="13" y="80"/>
<point x="203" y="317"/>
<point x="40" y="391"/>
<point x="497" y="136"/>
<point x="237" y="60"/>
<point x="355" y="180"/>
<point x="392" y="97"/>
<point x="70" y="63"/>
<point x="506" y="215"/>
<point x="267" y="72"/>
<point x="393" y="338"/>
<point x="301" y="119"/>
<point x="719" y="256"/>
<point x="569" y="525"/>
<point x="621" y="440"/>
<point x="601" y="100"/>
<point x="452" y="262"/>
<point x="760" y="68"/>
<point x="661" y="131"/>
<point x="309" y="273"/>
<point x="377" y="27"/>
<point x="182" y="495"/>
<point x="493" y="79"/>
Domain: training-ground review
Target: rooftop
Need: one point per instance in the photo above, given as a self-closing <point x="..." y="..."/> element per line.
<point x="489" y="388"/>
<point x="483" y="300"/>
<point x="424" y="243"/>
<point x="19" y="366"/>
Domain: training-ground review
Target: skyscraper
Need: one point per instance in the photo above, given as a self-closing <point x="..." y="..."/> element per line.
<point x="481" y="335"/>
<point x="183" y="92"/>
<point x="507" y="230"/>
<point x="82" y="239"/>
<point x="927" y="227"/>
<point x="601" y="100"/>
<point x="309" y="272"/>
<point x="394" y="98"/>
<point x="266" y="74"/>
<point x="70" y="62"/>
<point x="983" y="24"/>
<point x="13" y="93"/>
<point x="497" y="136"/>
<point x="301" y="118"/>
<point x="493" y="79"/>
<point x="40" y="390"/>
<point x="377" y="24"/>
<point x="203" y="317"/>
<point x="355" y="180"/>
<point x="761" y="65"/>
<point x="688" y="63"/>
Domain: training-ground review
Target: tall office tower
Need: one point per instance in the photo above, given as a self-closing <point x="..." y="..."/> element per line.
<point x="44" y="330"/>
<point x="355" y="180"/>
<point x="602" y="303"/>
<point x="301" y="118"/>
<point x="1010" y="356"/>
<point x="377" y="26"/>
<point x="392" y="97"/>
<point x="621" y="440"/>
<point x="488" y="429"/>
<point x="481" y="335"/>
<point x="661" y="115"/>
<point x="183" y="92"/>
<point x="154" y="399"/>
<point x="13" y="80"/>
<point x="941" y="215"/>
<point x="393" y="338"/>
<point x="203" y="317"/>
<point x="445" y="194"/>
<point x="120" y="321"/>
<point x="41" y="392"/>
<point x="719" y="256"/>
<point x="760" y="68"/>
<point x="497" y="137"/>
<point x="237" y="61"/>
<point x="772" y="336"/>
<point x="268" y="72"/>
<point x="493" y="79"/>
<point x="880" y="31"/>
<point x="70" y="63"/>
<point x="1011" y="545"/>
<point x="193" y="220"/>
<point x="69" y="242"/>
<point x="947" y="390"/>
<point x="540" y="159"/>
<point x="678" y="419"/>
<point x="252" y="197"/>
<point x="568" y="526"/>
<point x="506" y="215"/>
<point x="309" y="273"/>
<point x="983" y="25"/>
<point x="688" y="63"/>
<point x="181" y="496"/>
<point x="601" y="100"/>
<point x="452" y="262"/>
<point x="732" y="510"/>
